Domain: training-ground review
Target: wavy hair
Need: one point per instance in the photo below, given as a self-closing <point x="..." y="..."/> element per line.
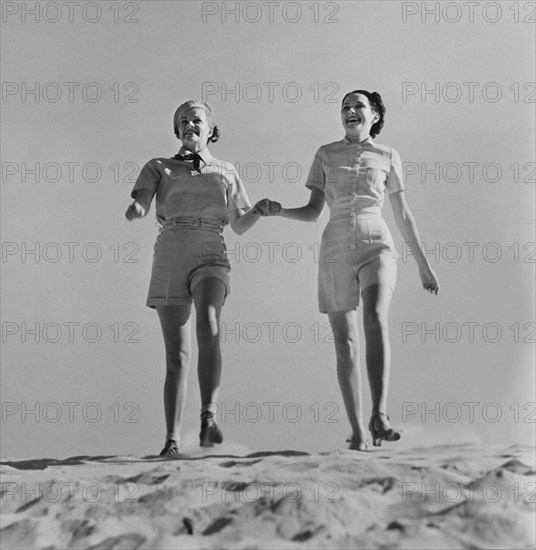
<point x="376" y="104"/>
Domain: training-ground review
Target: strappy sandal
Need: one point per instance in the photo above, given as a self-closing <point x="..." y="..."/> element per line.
<point x="210" y="433"/>
<point x="357" y="444"/>
<point x="171" y="448"/>
<point x="378" y="431"/>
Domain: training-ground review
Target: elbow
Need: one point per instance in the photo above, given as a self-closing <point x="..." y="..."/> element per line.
<point x="313" y="214"/>
<point x="317" y="214"/>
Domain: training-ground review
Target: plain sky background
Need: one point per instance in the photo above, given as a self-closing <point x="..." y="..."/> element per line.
<point x="170" y="52"/>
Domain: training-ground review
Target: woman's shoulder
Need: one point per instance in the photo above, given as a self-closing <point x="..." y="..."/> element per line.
<point x="224" y="167"/>
<point x="333" y="145"/>
<point x="156" y="162"/>
<point x="325" y="150"/>
<point x="385" y="148"/>
<point x="223" y="163"/>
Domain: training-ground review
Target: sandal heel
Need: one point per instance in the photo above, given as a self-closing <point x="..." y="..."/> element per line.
<point x="380" y="434"/>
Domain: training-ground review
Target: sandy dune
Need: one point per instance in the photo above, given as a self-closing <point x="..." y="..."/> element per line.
<point x="463" y="496"/>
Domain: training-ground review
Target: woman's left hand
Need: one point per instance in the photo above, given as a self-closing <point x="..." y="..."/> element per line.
<point x="429" y="280"/>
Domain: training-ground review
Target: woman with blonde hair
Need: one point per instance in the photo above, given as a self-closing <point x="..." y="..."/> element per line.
<point x="196" y="195"/>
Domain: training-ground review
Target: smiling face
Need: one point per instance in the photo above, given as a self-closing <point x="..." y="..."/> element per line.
<point x="357" y="116"/>
<point x="195" y="128"/>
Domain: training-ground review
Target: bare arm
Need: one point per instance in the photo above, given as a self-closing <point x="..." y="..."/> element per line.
<point x="242" y="220"/>
<point x="408" y="228"/>
<point x="311" y="211"/>
<point x="308" y="213"/>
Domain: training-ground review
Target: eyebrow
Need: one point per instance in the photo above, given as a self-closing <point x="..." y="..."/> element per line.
<point x="185" y="119"/>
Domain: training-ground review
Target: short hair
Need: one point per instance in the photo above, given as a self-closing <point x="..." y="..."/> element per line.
<point x="215" y="134"/>
<point x="376" y="104"/>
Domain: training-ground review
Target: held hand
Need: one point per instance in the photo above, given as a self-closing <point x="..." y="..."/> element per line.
<point x="429" y="280"/>
<point x="135" y="210"/>
<point x="266" y="207"/>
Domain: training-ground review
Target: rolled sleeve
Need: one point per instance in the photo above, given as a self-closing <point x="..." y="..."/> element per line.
<point x="317" y="176"/>
<point x="395" y="181"/>
<point x="149" y="179"/>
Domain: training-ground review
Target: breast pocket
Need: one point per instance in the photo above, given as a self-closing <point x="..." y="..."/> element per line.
<point x="375" y="180"/>
<point x="372" y="176"/>
<point x="175" y="174"/>
<point x="332" y="172"/>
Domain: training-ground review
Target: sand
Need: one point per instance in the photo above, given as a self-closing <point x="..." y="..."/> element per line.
<point x="451" y="496"/>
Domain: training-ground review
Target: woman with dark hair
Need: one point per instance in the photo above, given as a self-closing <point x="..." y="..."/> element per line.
<point x="358" y="259"/>
<point x="196" y="197"/>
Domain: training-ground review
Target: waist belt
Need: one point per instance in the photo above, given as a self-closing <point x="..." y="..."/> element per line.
<point x="195" y="223"/>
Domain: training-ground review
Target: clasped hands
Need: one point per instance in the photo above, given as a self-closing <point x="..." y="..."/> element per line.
<point x="266" y="207"/>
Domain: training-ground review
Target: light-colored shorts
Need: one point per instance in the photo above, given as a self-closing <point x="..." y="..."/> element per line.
<point x="355" y="253"/>
<point x="186" y="251"/>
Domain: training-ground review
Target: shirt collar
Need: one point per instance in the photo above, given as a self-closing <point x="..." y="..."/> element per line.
<point x="206" y="157"/>
<point x="367" y="141"/>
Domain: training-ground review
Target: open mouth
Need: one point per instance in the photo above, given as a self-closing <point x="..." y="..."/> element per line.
<point x="353" y="119"/>
<point x="190" y="133"/>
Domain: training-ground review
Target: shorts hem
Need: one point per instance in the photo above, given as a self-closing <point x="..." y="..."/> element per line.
<point x="327" y="309"/>
<point x="200" y="276"/>
<point x="330" y="310"/>
<point x="153" y="302"/>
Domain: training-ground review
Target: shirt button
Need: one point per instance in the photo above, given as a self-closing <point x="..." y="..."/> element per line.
<point x="352" y="246"/>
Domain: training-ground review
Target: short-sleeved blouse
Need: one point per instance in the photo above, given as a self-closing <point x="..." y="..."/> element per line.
<point x="182" y="191"/>
<point x="355" y="176"/>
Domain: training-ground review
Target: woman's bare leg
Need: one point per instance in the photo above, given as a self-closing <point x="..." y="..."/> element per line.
<point x="376" y="303"/>
<point x="175" y="322"/>
<point x="209" y="295"/>
<point x="344" y="324"/>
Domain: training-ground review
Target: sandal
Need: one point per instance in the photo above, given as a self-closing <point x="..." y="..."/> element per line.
<point x="357" y="444"/>
<point x="171" y="448"/>
<point x="210" y="433"/>
<point x="381" y="430"/>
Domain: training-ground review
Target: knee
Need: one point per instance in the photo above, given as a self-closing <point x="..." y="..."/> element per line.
<point x="375" y="321"/>
<point x="208" y="333"/>
<point x="346" y="347"/>
<point x="178" y="360"/>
